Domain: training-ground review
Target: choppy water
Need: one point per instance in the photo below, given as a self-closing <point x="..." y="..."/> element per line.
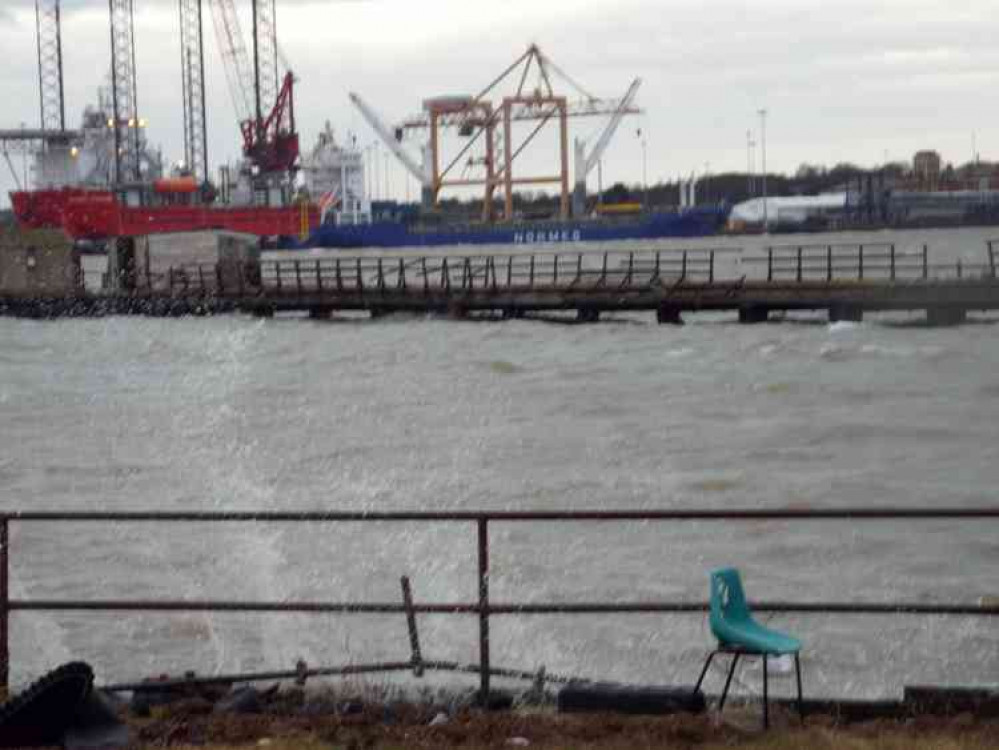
<point x="415" y="413"/>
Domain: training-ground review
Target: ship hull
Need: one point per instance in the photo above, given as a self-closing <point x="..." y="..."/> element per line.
<point x="694" y="223"/>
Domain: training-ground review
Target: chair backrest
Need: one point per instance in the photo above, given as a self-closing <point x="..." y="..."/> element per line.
<point x="728" y="601"/>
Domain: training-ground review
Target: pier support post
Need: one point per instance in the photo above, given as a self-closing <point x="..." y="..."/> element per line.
<point x="587" y="315"/>
<point x="668" y="315"/>
<point x="512" y="313"/>
<point x="320" y="313"/>
<point x="946" y="316"/>
<point x="122" y="272"/>
<point x="457" y="311"/>
<point x="753" y="314"/>
<point x="846" y="313"/>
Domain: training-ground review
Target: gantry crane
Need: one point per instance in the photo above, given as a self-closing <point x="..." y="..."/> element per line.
<point x="479" y="120"/>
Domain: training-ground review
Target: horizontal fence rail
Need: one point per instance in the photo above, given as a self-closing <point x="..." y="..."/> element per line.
<point x="483" y="607"/>
<point x="555" y="271"/>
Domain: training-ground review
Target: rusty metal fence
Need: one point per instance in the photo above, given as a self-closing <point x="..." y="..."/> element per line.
<point x="567" y="271"/>
<point x="483" y="608"/>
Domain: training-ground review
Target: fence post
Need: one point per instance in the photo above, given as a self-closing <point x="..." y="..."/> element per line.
<point x="277" y="274"/>
<point x="683" y="266"/>
<point x="829" y="264"/>
<point x="711" y="267"/>
<point x="360" y="276"/>
<point x="509" y="271"/>
<point x="926" y="261"/>
<point x="483" y="527"/>
<point x="414" y="635"/>
<point x="799" y="263"/>
<point x="893" y="261"/>
<point x="555" y="271"/>
<point x="298" y="276"/>
<point x="319" y="277"/>
<point x="860" y="264"/>
<point x="959" y="268"/>
<point x="992" y="259"/>
<point x="4" y="611"/>
<point x="426" y="279"/>
<point x="339" y="277"/>
<point x="770" y="264"/>
<point x="531" y="277"/>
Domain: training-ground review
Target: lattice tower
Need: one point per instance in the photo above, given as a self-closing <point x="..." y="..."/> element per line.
<point x="53" y="107"/>
<point x="192" y="53"/>
<point x="123" y="92"/>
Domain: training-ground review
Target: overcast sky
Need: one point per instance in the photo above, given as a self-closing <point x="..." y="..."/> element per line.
<point x="849" y="80"/>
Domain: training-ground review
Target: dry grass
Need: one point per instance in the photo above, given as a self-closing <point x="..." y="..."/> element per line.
<point x="547" y="731"/>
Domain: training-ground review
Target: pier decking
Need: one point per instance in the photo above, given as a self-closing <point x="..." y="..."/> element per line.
<point x="845" y="280"/>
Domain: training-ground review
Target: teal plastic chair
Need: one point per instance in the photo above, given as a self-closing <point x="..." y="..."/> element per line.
<point x="739" y="634"/>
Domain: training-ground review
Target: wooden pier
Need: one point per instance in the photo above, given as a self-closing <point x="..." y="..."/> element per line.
<point x="845" y="280"/>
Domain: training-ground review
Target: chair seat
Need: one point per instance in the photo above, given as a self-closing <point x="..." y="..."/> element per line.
<point x="752" y="637"/>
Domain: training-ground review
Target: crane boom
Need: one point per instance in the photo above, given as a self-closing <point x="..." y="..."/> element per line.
<point x="235" y="57"/>
<point x="605" y="137"/>
<point x="584" y="163"/>
<point x="392" y="143"/>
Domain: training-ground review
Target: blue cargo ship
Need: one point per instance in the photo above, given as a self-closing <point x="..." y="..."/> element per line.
<point x="695" y="222"/>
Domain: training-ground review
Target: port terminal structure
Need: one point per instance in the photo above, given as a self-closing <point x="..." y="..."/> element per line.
<point x="846" y="281"/>
<point x="488" y="158"/>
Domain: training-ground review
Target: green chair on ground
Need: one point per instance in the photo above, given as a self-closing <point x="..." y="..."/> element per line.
<point x="740" y="635"/>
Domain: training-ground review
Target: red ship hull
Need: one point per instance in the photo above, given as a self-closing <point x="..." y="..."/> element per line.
<point x="43" y="209"/>
<point x="97" y="215"/>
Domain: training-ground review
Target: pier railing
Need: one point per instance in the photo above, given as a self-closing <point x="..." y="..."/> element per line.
<point x="565" y="271"/>
<point x="483" y="607"/>
<point x="864" y="262"/>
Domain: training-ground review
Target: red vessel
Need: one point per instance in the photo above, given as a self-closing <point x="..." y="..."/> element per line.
<point x="43" y="209"/>
<point x="97" y="215"/>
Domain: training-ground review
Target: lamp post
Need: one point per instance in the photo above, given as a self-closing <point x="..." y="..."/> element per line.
<point x="645" y="171"/>
<point x="763" y="144"/>
<point x="388" y="185"/>
<point x="370" y="173"/>
<point x="749" y="163"/>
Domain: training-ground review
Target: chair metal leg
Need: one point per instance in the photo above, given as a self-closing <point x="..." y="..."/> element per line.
<point x="704" y="671"/>
<point x="728" y="680"/>
<point x="766" y="703"/>
<point x="801" y="703"/>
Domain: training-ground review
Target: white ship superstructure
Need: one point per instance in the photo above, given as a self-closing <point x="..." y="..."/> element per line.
<point x="334" y="178"/>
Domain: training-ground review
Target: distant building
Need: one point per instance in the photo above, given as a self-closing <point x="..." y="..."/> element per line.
<point x="926" y="167"/>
